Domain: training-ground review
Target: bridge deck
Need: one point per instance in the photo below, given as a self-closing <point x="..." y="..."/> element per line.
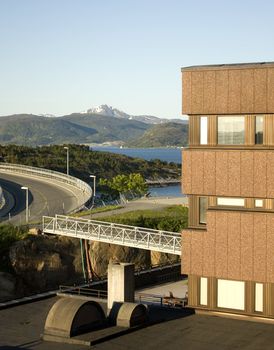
<point x="130" y="236"/>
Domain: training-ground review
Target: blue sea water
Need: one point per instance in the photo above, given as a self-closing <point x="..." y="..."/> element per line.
<point x="164" y="154"/>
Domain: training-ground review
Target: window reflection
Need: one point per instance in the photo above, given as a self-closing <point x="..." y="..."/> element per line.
<point x="202" y="210"/>
<point x="231" y="130"/>
<point x="259" y="131"/>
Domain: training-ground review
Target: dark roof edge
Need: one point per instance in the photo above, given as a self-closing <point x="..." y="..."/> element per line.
<point x="229" y="66"/>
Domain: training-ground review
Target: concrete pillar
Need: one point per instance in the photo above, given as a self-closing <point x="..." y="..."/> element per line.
<point x="120" y="283"/>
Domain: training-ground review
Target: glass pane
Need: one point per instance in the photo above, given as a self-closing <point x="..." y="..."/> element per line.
<point x="259" y="297"/>
<point x="259" y="131"/>
<point x="237" y="202"/>
<point x="203" y="291"/>
<point x="202" y="210"/>
<point x="259" y="203"/>
<point x="231" y="294"/>
<point x="203" y="130"/>
<point x="231" y="130"/>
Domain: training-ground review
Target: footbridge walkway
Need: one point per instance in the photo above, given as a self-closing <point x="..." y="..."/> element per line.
<point x="130" y="236"/>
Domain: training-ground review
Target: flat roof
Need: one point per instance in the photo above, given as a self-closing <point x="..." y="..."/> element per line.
<point x="229" y="66"/>
<point x="21" y="326"/>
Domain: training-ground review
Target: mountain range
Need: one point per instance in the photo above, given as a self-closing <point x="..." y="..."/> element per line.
<point x="99" y="125"/>
<point x="116" y="113"/>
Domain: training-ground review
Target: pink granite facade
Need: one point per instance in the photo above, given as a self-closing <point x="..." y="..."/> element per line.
<point x="232" y="173"/>
<point x="236" y="245"/>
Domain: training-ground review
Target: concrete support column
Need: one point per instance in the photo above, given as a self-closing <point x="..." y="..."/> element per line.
<point x="120" y="283"/>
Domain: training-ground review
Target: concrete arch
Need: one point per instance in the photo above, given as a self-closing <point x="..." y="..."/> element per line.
<point x="129" y="314"/>
<point x="2" y="198"/>
<point x="69" y="317"/>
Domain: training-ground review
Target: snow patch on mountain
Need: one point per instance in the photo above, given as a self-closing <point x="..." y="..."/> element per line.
<point x="116" y="113"/>
<point x="47" y="115"/>
<point x="109" y="112"/>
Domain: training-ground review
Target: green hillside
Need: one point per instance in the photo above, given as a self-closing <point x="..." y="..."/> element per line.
<point x="109" y="128"/>
<point x="160" y="135"/>
<point x="84" y="162"/>
<point x="33" y="130"/>
<point x="29" y="129"/>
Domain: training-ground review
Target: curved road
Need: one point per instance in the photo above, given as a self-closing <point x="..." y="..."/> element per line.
<point x="44" y="198"/>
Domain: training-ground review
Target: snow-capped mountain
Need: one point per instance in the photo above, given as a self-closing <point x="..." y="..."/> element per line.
<point x="116" y="113"/>
<point x="109" y="112"/>
<point x="47" y="115"/>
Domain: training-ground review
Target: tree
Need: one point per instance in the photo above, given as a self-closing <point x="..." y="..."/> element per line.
<point x="133" y="183"/>
<point x="137" y="184"/>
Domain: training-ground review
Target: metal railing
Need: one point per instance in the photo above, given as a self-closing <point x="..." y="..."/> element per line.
<point x="83" y="291"/>
<point x="145" y="298"/>
<point x="141" y="298"/>
<point x="51" y="175"/>
<point x="130" y="236"/>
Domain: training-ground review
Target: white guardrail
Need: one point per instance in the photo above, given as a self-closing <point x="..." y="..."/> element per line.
<point x="49" y="174"/>
<point x="107" y="232"/>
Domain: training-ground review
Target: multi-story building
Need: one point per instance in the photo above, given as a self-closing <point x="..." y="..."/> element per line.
<point x="228" y="175"/>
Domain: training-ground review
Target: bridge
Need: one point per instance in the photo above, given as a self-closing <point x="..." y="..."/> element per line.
<point x="50" y="193"/>
<point x="125" y="235"/>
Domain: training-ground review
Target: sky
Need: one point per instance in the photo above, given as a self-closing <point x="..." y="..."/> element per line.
<point x="65" y="56"/>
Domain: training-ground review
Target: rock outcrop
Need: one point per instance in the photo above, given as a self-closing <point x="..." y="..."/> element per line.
<point x="7" y="286"/>
<point x="102" y="253"/>
<point x="44" y="262"/>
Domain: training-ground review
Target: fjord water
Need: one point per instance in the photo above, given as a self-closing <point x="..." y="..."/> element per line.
<point x="164" y="154"/>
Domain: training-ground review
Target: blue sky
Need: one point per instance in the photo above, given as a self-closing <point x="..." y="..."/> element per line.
<point x="64" y="56"/>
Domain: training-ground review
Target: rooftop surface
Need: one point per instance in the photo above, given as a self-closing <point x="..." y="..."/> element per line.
<point x="230" y="66"/>
<point x="21" y="326"/>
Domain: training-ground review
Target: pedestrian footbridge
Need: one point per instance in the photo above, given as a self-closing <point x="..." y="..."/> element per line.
<point x="130" y="236"/>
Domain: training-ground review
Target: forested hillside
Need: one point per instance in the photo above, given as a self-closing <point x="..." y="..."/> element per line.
<point x="168" y="134"/>
<point x="89" y="128"/>
<point x="84" y="162"/>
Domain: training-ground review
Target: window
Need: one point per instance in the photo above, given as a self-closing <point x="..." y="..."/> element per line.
<point x="259" y="203"/>
<point x="231" y="294"/>
<point x="203" y="291"/>
<point x="202" y="210"/>
<point x="259" y="131"/>
<point x="203" y="130"/>
<point x="259" y="297"/>
<point x="231" y="130"/>
<point x="234" y="202"/>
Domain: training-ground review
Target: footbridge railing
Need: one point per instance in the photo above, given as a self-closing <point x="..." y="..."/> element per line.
<point x="130" y="236"/>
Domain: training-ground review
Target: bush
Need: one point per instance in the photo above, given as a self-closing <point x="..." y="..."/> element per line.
<point x="8" y="235"/>
<point x="172" y="219"/>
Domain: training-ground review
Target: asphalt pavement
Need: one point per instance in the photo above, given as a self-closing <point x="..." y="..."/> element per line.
<point x="45" y="198"/>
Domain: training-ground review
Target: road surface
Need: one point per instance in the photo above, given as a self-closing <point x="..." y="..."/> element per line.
<point x="44" y="198"/>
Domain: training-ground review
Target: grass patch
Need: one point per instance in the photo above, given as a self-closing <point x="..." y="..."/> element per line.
<point x="97" y="210"/>
<point x="173" y="218"/>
